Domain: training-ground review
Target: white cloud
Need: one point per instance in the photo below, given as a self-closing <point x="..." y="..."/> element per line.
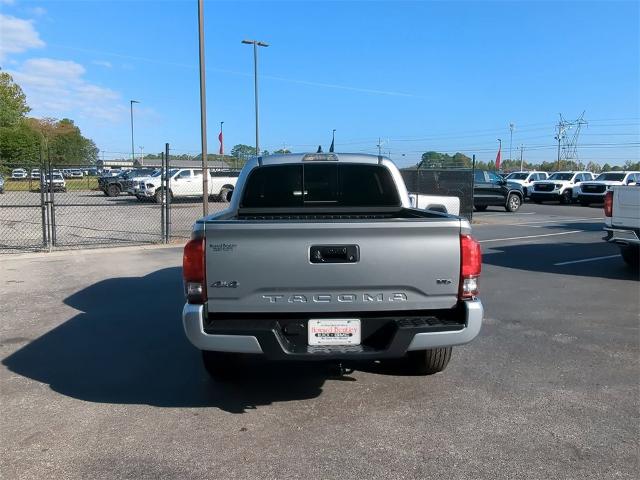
<point x="18" y="35"/>
<point x="57" y="88"/>
<point x="102" y="63"/>
<point x="7" y="2"/>
<point x="38" y="11"/>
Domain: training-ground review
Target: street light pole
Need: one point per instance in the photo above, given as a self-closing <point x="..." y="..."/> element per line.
<point x="203" y="111"/>
<point x="511" y="127"/>
<point x="256" y="44"/>
<point x="133" y="151"/>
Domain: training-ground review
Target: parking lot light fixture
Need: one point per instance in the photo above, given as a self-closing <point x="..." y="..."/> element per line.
<point x="256" y="44"/>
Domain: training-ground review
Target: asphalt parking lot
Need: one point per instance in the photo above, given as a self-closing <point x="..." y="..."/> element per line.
<point x="98" y="380"/>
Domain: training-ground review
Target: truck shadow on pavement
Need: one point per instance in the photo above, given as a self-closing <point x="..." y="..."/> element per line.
<point x="542" y="257"/>
<point x="127" y="346"/>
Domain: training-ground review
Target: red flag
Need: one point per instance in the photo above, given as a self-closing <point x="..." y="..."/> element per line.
<point x="221" y="143"/>
<point x="498" y="158"/>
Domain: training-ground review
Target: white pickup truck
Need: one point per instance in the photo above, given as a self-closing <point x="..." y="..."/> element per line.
<point x="187" y="182"/>
<point x="323" y="257"/>
<point x="622" y="221"/>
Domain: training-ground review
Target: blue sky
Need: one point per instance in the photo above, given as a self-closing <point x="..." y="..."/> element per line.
<point x="445" y="76"/>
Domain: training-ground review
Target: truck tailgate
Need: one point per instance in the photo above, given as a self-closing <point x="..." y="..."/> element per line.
<point x="257" y="266"/>
<point x="626" y="207"/>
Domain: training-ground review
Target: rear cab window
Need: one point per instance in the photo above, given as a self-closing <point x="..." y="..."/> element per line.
<point x="320" y="185"/>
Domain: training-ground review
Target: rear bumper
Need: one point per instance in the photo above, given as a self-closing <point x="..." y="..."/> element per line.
<point x="266" y="337"/>
<point x="622" y="237"/>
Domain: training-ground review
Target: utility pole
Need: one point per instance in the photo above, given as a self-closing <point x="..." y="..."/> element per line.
<point x="521" y="163"/>
<point x="203" y="111"/>
<point x="133" y="150"/>
<point x="141" y="156"/>
<point x="256" y="44"/>
<point x="511" y="127"/>
<point x="379" y="147"/>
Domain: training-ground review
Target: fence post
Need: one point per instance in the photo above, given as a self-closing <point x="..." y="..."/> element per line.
<point x="43" y="205"/>
<point x="168" y="194"/>
<point x="52" y="204"/>
<point x="163" y="174"/>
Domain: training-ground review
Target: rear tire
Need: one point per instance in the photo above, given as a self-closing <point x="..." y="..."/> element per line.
<point x="513" y="203"/>
<point x="158" y="196"/>
<point x="224" y="195"/>
<point x="428" y="362"/>
<point x="113" y="191"/>
<point x="631" y="256"/>
<point x="481" y="208"/>
<point x="222" y="366"/>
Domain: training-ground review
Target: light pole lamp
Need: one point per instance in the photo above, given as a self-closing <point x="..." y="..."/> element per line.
<point x="133" y="151"/>
<point x="256" y="44"/>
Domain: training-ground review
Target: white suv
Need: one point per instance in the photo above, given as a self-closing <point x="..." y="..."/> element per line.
<point x="560" y="186"/>
<point x="526" y="179"/>
<point x="593" y="192"/>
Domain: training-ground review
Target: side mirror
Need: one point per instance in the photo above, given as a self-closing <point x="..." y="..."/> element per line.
<point x="229" y="195"/>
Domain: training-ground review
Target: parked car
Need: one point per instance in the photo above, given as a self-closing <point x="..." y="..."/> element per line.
<point x="114" y="186"/>
<point x="56" y="181"/>
<point x="489" y="189"/>
<point x="187" y="182"/>
<point x="1" y="184"/>
<point x="560" y="186"/>
<point x="35" y="174"/>
<point x="18" y="174"/>
<point x="75" y="173"/>
<point x="526" y="179"/>
<point x="622" y="221"/>
<point x="593" y="192"/>
<point x="320" y="257"/>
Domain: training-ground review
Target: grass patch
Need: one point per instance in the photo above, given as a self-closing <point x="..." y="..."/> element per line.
<point x="73" y="184"/>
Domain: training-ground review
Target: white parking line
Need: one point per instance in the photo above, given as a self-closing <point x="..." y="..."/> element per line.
<point x="586" y="260"/>
<point x="530" y="236"/>
<point x="504" y="214"/>
<point x="557" y="220"/>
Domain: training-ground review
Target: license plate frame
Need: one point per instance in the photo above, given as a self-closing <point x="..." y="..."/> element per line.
<point x="334" y="331"/>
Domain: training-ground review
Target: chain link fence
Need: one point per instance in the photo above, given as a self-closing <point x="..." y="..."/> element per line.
<point x="77" y="206"/>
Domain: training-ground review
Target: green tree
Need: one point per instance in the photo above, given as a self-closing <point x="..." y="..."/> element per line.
<point x="631" y="165"/>
<point x="13" y="102"/>
<point x="606" y="168"/>
<point x="281" y="151"/>
<point x="242" y="151"/>
<point x="594" y="167"/>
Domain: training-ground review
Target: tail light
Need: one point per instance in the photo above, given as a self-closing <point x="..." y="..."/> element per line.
<point x="608" y="204"/>
<point x="470" y="267"/>
<point x="193" y="272"/>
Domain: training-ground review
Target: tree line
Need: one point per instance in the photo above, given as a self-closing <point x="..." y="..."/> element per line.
<point x="27" y="142"/>
<point x="460" y="160"/>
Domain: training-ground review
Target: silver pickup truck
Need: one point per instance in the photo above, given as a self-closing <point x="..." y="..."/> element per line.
<point x="622" y="221"/>
<point x="321" y="257"/>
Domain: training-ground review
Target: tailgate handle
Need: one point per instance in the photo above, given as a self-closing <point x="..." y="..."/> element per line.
<point x="334" y="254"/>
